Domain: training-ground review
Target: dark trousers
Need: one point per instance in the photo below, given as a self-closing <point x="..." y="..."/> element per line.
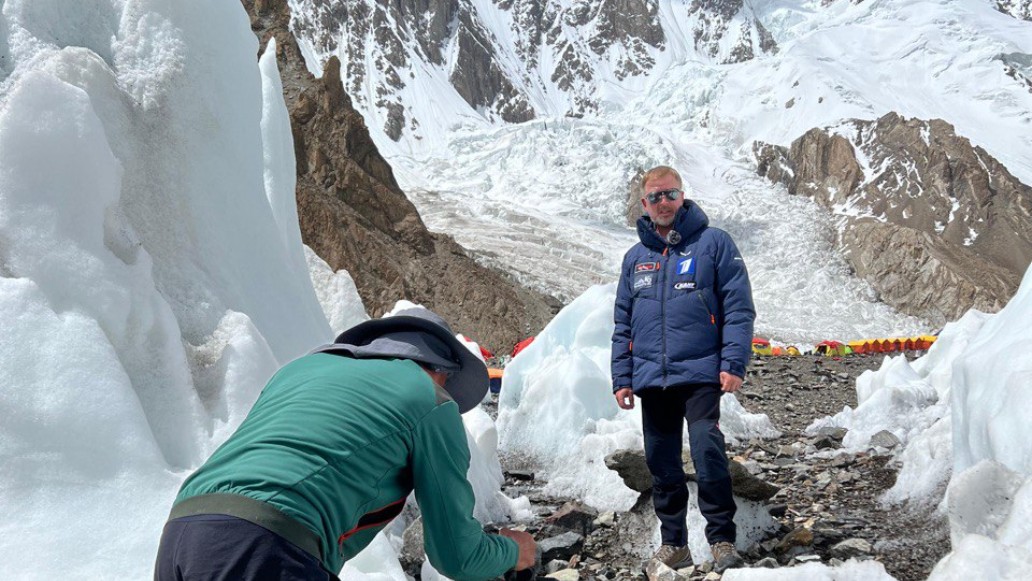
<point x="215" y="547"/>
<point x="663" y="414"/>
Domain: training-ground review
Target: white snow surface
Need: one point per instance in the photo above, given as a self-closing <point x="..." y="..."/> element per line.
<point x="961" y="412"/>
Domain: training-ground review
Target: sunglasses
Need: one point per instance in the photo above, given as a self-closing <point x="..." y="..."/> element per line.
<point x="655" y="197"/>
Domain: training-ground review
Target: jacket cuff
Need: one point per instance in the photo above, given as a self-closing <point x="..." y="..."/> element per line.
<point x="733" y="367"/>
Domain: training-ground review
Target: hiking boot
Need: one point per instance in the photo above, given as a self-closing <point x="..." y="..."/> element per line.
<point x="674" y="557"/>
<point x="725" y="556"/>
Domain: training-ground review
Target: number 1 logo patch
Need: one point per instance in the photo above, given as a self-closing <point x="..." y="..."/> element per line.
<point x="686" y="266"/>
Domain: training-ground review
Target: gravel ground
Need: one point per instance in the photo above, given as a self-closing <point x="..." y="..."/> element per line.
<point x="833" y="499"/>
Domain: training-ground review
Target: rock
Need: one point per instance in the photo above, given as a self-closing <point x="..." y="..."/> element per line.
<point x="564" y="575"/>
<point x="631" y="466"/>
<point x="826" y="442"/>
<point x="520" y="475"/>
<point x="850" y="548"/>
<point x="808" y="558"/>
<point x="412" y="552"/>
<point x="800" y="537"/>
<point x="832" y="432"/>
<point x="747" y="486"/>
<point x="777" y="510"/>
<point x="844" y="477"/>
<point x="824" y="536"/>
<point x="555" y="565"/>
<point x="561" y="546"/>
<point x="605" y="519"/>
<point x="574" y="516"/>
<point x="752" y="466"/>
<point x="842" y="460"/>
<point x="767" y="563"/>
<point x="657" y="571"/>
<point x="884" y="439"/>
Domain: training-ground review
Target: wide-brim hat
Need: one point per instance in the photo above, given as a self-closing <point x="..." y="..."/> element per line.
<point x="420" y="335"/>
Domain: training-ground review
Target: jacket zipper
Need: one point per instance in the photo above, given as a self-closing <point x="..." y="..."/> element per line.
<point x="662" y="312"/>
<point x="712" y="319"/>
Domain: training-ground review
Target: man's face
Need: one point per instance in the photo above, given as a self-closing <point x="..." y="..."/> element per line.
<point x="662" y="211"/>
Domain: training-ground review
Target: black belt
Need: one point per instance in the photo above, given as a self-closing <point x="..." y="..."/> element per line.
<point x="254" y="511"/>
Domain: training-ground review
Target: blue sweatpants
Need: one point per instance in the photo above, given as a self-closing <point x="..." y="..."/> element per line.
<point x="215" y="547"/>
<point x="663" y="414"/>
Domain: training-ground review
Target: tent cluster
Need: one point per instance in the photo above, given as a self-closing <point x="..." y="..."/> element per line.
<point x="762" y="346"/>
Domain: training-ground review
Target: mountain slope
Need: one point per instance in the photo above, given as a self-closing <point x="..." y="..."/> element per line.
<point x="545" y="197"/>
<point x="354" y="215"/>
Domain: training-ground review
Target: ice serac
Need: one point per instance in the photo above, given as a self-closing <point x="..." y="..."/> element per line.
<point x="933" y="222"/>
<point x="354" y="215"/>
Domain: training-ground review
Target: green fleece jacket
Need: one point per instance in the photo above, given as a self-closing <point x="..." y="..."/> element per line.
<point x="338" y="443"/>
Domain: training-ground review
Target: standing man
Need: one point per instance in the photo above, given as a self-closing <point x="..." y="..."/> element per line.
<point x="684" y="319"/>
<point x="327" y="456"/>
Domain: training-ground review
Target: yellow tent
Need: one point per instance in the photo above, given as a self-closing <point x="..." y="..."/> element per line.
<point x="761" y="346"/>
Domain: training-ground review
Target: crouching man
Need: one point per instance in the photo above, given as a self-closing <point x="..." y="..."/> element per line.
<point x="327" y="456"/>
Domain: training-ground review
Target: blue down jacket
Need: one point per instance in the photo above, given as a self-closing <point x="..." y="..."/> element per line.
<point x="684" y="311"/>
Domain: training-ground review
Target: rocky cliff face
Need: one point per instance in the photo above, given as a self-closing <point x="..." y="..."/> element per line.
<point x="935" y="224"/>
<point x="354" y="215"/>
<point x="1021" y="9"/>
<point x="715" y="21"/>
<point x="520" y="59"/>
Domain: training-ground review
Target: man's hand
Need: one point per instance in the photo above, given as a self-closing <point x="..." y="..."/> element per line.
<point x="528" y="548"/>
<point x="729" y="383"/>
<point x="625" y="398"/>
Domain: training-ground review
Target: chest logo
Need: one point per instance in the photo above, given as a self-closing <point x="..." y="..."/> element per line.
<point x="646" y="267"/>
<point x="641" y="282"/>
<point x="686" y="266"/>
<point x="684" y="286"/>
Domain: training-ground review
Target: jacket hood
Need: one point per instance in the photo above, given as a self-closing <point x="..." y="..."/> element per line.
<point x="689" y="220"/>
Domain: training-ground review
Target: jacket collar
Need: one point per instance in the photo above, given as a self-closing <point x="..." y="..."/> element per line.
<point x="689" y="221"/>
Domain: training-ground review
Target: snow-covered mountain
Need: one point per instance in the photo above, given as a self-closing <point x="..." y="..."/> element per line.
<point x="575" y="99"/>
<point x="936" y="225"/>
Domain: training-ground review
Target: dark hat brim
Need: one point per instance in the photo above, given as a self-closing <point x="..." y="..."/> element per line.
<point x="467" y="386"/>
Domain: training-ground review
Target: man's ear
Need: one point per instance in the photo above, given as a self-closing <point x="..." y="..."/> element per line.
<point x="643" y="204"/>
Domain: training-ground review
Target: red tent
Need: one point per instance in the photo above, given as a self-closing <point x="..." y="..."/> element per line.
<point x="521" y="346"/>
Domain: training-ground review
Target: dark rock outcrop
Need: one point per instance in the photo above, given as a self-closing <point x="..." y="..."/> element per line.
<point x="716" y="23"/>
<point x="934" y="223"/>
<point x="1018" y="66"/>
<point x="1021" y="9"/>
<point x="354" y="215"/>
